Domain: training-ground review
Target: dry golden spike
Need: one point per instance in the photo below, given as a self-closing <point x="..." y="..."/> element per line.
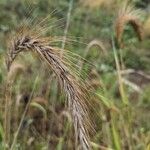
<point x="76" y="96"/>
<point x="128" y="15"/>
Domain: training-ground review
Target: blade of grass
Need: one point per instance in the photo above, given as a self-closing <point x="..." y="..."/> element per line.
<point x="7" y="114"/>
<point x="115" y="134"/>
<point x="67" y="26"/>
<point x="121" y="86"/>
<point x="23" y="116"/>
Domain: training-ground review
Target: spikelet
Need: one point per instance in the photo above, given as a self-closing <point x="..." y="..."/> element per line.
<point x="128" y="14"/>
<point x="75" y="96"/>
<point x="96" y="43"/>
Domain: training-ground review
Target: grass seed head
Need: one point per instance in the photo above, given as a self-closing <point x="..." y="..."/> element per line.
<point x="75" y="96"/>
<point x="128" y="15"/>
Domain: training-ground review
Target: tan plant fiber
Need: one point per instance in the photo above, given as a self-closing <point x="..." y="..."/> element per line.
<point x="97" y="3"/>
<point x="127" y="14"/>
<point x="146" y="27"/>
<point x="94" y="42"/>
<point x="76" y="97"/>
<point x="15" y="70"/>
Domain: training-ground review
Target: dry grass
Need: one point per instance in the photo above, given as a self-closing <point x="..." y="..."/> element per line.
<point x="96" y="43"/>
<point x="74" y="93"/>
<point x="99" y="44"/>
<point x="127" y="14"/>
<point x="14" y="71"/>
<point x="146" y="27"/>
<point x="35" y="117"/>
<point x="13" y="74"/>
<point x="97" y="3"/>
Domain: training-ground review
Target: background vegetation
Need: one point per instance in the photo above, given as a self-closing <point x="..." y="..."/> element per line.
<point x="118" y="75"/>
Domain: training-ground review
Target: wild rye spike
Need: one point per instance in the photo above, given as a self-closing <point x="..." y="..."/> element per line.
<point x="75" y="96"/>
<point x="128" y="15"/>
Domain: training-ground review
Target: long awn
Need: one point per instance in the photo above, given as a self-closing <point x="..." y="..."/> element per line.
<point x="76" y="97"/>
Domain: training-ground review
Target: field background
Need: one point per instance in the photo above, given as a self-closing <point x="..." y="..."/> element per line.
<point x="121" y="113"/>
